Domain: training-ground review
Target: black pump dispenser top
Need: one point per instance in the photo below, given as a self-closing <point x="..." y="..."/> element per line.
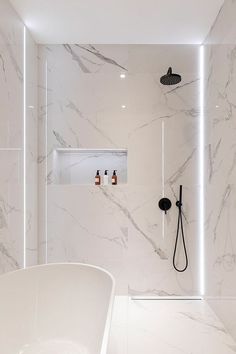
<point x="98" y="172"/>
<point x="114" y="172"/>
<point x="105" y="172"/>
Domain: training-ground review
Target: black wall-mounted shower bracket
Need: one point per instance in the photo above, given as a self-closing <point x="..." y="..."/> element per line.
<point x="164" y="204"/>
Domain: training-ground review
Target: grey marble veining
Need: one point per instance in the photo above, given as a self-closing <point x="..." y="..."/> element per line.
<point x="120" y="227"/>
<point x="204" y="321"/>
<point x="3" y="67"/>
<point x="60" y="139"/>
<point x="8" y="257"/>
<point x="98" y="54"/>
<point x="11" y="143"/>
<point x="163" y="324"/>
<point x="134" y="223"/>
<point x="76" y="57"/>
<point x="220" y="115"/>
<point x="74" y="108"/>
<point x="8" y="46"/>
<point x="177" y="175"/>
<point x="223" y="29"/>
<point x="11" y="76"/>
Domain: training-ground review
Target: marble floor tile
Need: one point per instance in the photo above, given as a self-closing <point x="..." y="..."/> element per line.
<point x="167" y="327"/>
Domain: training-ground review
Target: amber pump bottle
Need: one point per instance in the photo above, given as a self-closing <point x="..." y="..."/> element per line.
<point x="97" y="179"/>
<point x="114" y="178"/>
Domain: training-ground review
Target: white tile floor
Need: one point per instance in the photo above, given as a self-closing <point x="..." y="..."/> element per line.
<point x="167" y="327"/>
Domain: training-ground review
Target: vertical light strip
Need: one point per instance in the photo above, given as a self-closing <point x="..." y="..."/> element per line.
<point x="46" y="162"/>
<point x="163" y="171"/>
<point x="163" y="157"/>
<point x="201" y="175"/>
<point x="24" y="148"/>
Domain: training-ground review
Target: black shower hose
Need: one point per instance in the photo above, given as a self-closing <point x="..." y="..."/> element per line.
<point x="180" y="228"/>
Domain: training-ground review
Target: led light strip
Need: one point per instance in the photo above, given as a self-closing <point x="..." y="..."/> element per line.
<point x="46" y="164"/>
<point x="201" y="175"/>
<point x="163" y="157"/>
<point x="24" y="148"/>
<point x="163" y="171"/>
<point x="166" y="298"/>
<point x="10" y="149"/>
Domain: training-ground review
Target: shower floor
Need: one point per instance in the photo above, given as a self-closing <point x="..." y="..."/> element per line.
<point x="167" y="327"/>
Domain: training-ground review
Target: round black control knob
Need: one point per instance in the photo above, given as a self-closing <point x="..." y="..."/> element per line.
<point x="164" y="204"/>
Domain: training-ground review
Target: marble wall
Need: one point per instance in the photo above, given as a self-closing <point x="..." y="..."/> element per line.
<point x="12" y="78"/>
<point x="121" y="228"/>
<point x="220" y="114"/>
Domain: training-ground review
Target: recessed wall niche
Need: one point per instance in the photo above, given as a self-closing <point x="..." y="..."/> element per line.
<point x="79" y="166"/>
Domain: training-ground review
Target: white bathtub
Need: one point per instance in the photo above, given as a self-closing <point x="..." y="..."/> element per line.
<point x="56" y="309"/>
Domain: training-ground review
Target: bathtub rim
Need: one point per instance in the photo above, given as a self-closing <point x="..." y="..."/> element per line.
<point x="61" y="263"/>
<point x="107" y="326"/>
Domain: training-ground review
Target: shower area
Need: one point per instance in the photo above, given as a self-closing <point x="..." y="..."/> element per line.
<point x="104" y="107"/>
<point x="68" y="110"/>
<point x="101" y="100"/>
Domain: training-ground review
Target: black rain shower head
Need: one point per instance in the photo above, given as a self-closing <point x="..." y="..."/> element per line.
<point x="170" y="78"/>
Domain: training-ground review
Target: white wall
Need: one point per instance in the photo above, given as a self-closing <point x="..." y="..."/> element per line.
<point x="121" y="228"/>
<point x="12" y="147"/>
<point x="220" y="115"/>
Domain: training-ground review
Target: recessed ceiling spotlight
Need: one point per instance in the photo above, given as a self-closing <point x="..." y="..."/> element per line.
<point x="217" y="106"/>
<point x="123" y="106"/>
<point x="122" y="76"/>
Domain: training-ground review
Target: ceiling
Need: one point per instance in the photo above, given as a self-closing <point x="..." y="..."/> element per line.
<point x="123" y="21"/>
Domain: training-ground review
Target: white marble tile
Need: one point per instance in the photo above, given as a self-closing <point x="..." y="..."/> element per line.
<point x="11" y="124"/>
<point x="11" y="77"/>
<point x="11" y="243"/>
<point x="77" y="232"/>
<point x="12" y="141"/>
<point x="223" y="29"/>
<point x="220" y="159"/>
<point x="220" y="89"/>
<point x="220" y="152"/>
<point x="168" y="326"/>
<point x="84" y="109"/>
<point x="225" y="309"/>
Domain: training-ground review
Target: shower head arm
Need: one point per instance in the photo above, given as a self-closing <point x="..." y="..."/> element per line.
<point x="169" y="72"/>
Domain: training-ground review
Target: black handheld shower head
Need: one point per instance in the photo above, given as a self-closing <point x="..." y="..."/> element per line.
<point x="180" y="230"/>
<point x="170" y="78"/>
